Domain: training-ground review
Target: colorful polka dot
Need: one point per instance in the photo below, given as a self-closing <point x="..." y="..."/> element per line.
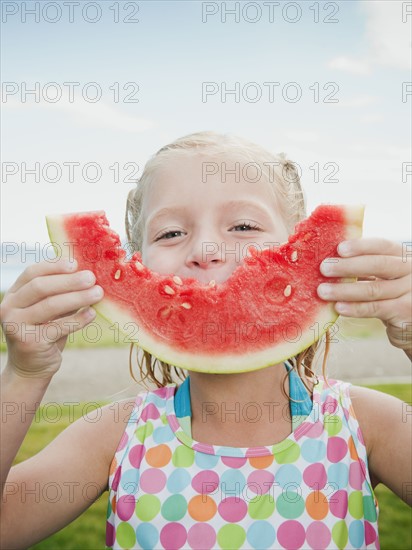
<point x="355" y="504"/>
<point x="183" y="457"/>
<point x="178" y="481"/>
<point x="158" y="456"/>
<point x="206" y="481"/>
<point x="291" y="454"/>
<point x="235" y="461"/>
<point x="145" y="431"/>
<point x="288" y="474"/>
<point x="152" y="480"/>
<point x="338" y="476"/>
<point x="202" y="508"/>
<point x="136" y="454"/>
<point x="338" y="504"/>
<point x="317" y="505"/>
<point x="232" y="509"/>
<point x="231" y="537"/>
<point x="125" y="535"/>
<point x="125" y="507"/>
<point x="261" y="507"/>
<point x="147" y="536"/>
<point x="232" y="482"/>
<point x="147" y="507"/>
<point x="260" y="482"/>
<point x="313" y="450"/>
<point x="173" y="536"/>
<point x="356" y="476"/>
<point x="261" y="535"/>
<point x="290" y="504"/>
<point x="318" y="535"/>
<point x="201" y="536"/>
<point x="174" y="508"/>
<point x="340" y="534"/>
<point x="291" y="535"/>
<point x="336" y="449"/>
<point x="315" y="476"/>
<point x="309" y="491"/>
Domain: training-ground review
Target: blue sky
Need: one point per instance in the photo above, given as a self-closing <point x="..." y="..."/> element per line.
<point x="168" y="54"/>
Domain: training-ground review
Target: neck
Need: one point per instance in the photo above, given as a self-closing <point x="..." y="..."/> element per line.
<point x="250" y="403"/>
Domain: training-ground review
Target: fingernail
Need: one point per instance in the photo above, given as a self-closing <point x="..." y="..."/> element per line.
<point x="324" y="290"/>
<point x="326" y="268"/>
<point x="341" y="307"/>
<point x="344" y="248"/>
<point x="97" y="292"/>
<point x="71" y="264"/>
<point x="90" y="313"/>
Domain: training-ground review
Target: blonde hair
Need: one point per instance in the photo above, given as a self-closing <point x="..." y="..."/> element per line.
<point x="283" y="177"/>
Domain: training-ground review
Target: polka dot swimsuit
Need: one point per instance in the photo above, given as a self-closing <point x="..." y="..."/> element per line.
<point x="311" y="491"/>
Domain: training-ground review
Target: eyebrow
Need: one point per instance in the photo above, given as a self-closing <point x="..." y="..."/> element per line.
<point x="234" y="204"/>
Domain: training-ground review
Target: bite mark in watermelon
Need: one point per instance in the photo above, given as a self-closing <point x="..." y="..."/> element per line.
<point x="267" y="311"/>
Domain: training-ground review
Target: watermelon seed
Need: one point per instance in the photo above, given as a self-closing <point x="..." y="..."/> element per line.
<point x="294" y="256"/>
<point x="117" y="274"/>
<point x="288" y="290"/>
<point x="186" y="305"/>
<point x="165" y="312"/>
<point x="169" y="290"/>
<point x="139" y="266"/>
<point x="212" y="283"/>
<point x="177" y="280"/>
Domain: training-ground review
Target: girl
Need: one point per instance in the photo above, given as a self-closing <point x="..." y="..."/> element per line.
<point x="184" y="468"/>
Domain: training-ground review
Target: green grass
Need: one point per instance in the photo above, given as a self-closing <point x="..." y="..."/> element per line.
<point x="88" y="531"/>
<point x="395" y="517"/>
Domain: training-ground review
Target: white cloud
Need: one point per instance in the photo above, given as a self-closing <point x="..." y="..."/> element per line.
<point x="350" y="65"/>
<point x="371" y="118"/>
<point x="378" y="151"/>
<point x="303" y="136"/>
<point x="102" y="115"/>
<point x="359" y="101"/>
<point x="95" y="115"/>
<point x="387" y="36"/>
<point x="388" y="33"/>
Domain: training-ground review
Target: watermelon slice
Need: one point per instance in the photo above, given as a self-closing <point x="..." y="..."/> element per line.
<point x="267" y="311"/>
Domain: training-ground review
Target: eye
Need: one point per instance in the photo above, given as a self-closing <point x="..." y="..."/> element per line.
<point x="166" y="234"/>
<point x="248" y="226"/>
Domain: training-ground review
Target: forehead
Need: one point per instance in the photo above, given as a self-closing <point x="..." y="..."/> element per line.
<point x="201" y="180"/>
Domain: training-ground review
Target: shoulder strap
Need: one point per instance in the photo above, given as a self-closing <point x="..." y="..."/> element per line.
<point x="300" y="406"/>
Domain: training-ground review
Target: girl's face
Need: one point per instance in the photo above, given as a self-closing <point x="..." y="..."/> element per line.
<point x="199" y="224"/>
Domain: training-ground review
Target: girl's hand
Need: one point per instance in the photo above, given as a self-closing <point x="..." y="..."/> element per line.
<point x="40" y="310"/>
<point x="383" y="288"/>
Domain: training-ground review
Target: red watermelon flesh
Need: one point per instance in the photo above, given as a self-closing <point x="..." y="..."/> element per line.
<point x="267" y="311"/>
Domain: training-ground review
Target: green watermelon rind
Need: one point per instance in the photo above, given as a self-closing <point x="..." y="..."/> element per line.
<point x="222" y="363"/>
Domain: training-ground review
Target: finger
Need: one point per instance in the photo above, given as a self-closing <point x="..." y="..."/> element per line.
<point x="43" y="268"/>
<point x="364" y="291"/>
<point x="53" y="307"/>
<point x="40" y="288"/>
<point x="373" y="245"/>
<point x="381" y="309"/>
<point x="385" y="267"/>
<point x="61" y="328"/>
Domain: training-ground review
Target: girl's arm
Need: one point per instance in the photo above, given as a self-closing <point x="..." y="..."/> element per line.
<point x="54" y="487"/>
<point x="386" y="425"/>
<point x="45" y="296"/>
<point x="384" y="291"/>
<point x="37" y="314"/>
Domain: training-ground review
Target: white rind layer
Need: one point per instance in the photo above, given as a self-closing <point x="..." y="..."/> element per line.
<point x="222" y="363"/>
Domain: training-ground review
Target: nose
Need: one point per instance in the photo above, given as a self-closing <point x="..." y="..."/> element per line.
<point x="205" y="255"/>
